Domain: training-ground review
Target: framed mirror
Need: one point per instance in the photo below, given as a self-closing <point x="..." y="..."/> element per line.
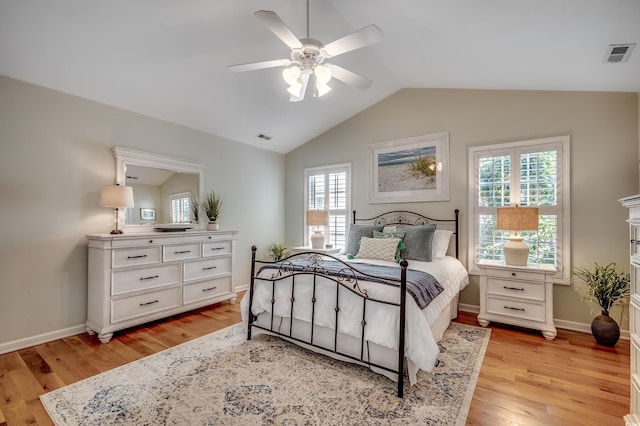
<point x="164" y="188"/>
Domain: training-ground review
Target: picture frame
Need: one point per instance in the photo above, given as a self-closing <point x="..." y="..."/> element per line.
<point x="410" y="170"/>
<point x="147" y="214"/>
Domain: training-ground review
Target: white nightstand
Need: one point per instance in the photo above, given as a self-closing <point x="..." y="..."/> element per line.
<point x="517" y="295"/>
<point x="308" y="248"/>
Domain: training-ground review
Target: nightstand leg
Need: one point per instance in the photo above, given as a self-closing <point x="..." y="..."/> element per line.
<point x="483" y="322"/>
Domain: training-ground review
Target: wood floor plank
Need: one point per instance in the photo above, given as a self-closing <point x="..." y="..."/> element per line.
<point x="525" y="380"/>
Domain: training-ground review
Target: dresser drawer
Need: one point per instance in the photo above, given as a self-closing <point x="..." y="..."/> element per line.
<point x="144" y="241"/>
<point x="145" y="304"/>
<point x="181" y="252"/>
<point x="635" y="358"/>
<point x="144" y="278"/>
<point x="516" y="309"/>
<point x="515" y="274"/>
<point x="208" y="268"/>
<point x="136" y="256"/>
<point x="206" y="289"/>
<point x="519" y="289"/>
<point x="216" y="248"/>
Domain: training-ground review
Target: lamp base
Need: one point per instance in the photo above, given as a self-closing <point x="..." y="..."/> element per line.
<point x="516" y="253"/>
<point x="317" y="240"/>
<point x="117" y="231"/>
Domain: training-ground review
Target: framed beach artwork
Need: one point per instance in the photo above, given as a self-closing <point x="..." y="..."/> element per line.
<point x="147" y="214"/>
<point x="410" y="170"/>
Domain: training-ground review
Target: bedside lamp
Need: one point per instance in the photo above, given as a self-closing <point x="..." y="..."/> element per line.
<point x="516" y="253"/>
<point x="317" y="218"/>
<point x="117" y="197"/>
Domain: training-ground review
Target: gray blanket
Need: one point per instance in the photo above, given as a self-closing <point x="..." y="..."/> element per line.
<point x="423" y="287"/>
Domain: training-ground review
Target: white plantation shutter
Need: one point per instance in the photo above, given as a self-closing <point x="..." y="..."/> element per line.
<point x="181" y="207"/>
<point x="329" y="188"/>
<point x="530" y="174"/>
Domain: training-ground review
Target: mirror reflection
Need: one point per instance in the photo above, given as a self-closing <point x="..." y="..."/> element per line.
<point x="161" y="196"/>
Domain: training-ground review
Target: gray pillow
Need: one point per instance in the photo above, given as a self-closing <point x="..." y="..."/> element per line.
<point x="356" y="232"/>
<point x="418" y="241"/>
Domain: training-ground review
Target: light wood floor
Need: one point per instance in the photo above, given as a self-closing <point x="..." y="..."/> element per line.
<point x="525" y="379"/>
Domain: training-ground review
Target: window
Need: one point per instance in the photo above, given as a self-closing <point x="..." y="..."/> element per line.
<point x="181" y="208"/>
<point x="329" y="188"/>
<point x="532" y="173"/>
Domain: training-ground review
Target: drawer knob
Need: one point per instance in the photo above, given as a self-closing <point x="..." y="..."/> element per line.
<point x="150" y="241"/>
<point x="513" y="274"/>
<point x="149" y="303"/>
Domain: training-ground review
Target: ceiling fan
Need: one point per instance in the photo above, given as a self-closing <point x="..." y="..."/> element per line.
<point x="307" y="70"/>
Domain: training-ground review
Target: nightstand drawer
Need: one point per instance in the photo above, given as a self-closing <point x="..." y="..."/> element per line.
<point x="519" y="289"/>
<point x="516" y="309"/>
<point x="515" y="274"/>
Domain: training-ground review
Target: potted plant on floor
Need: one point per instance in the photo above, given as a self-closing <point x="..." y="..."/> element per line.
<point x="212" y="206"/>
<point x="605" y="286"/>
<point x="277" y="251"/>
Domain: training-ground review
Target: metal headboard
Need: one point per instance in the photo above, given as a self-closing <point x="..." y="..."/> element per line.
<point x="404" y="217"/>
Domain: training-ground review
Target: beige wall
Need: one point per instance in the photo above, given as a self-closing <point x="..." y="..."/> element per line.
<point x="55" y="155"/>
<point x="604" y="162"/>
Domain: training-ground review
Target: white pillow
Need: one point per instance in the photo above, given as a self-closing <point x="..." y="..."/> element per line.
<point x="389" y="228"/>
<point x="440" y="243"/>
<point x="378" y="248"/>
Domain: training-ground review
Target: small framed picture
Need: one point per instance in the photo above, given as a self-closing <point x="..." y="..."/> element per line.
<point x="147" y="214"/>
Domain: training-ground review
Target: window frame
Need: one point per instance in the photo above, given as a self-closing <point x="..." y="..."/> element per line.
<point x="563" y="186"/>
<point x="326" y="170"/>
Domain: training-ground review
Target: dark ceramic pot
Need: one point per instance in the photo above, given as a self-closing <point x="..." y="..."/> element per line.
<point x="605" y="329"/>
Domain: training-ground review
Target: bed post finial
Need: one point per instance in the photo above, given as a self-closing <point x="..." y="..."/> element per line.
<point x="354" y="217"/>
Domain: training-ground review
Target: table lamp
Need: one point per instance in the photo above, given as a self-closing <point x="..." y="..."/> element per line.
<point x="317" y="218"/>
<point x="514" y="219"/>
<point x="117" y="197"/>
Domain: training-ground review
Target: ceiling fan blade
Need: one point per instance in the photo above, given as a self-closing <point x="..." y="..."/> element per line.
<point x="349" y="77"/>
<point x="259" y="65"/>
<point x="363" y="37"/>
<point x="279" y="28"/>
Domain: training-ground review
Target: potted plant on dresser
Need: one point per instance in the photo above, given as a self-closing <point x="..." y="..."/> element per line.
<point x="605" y="286"/>
<point x="212" y="206"/>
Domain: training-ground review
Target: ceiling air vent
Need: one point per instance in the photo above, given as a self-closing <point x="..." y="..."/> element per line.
<point x="263" y="137"/>
<point x="618" y="53"/>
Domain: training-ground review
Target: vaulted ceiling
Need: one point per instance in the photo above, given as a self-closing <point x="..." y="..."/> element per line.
<point x="168" y="58"/>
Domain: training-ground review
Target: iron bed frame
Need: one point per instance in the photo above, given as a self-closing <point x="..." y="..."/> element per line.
<point x="310" y="263"/>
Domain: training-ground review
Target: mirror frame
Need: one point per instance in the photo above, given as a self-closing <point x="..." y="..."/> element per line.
<point x="126" y="156"/>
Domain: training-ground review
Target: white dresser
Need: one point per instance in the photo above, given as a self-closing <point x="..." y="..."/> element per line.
<point x="135" y="278"/>
<point x="633" y="204"/>
<point x="517" y="295"/>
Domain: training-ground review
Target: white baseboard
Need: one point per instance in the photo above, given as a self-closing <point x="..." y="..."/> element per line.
<point x="563" y="324"/>
<point x="16" y="345"/>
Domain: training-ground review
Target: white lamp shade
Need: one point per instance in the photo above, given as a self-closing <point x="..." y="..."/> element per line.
<point x="116" y="196"/>
<point x="317" y="217"/>
<point x="517" y="218"/>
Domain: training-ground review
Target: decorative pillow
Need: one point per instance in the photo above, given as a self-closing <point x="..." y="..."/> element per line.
<point x="390" y="228"/>
<point x="356" y="232"/>
<point x="440" y="245"/>
<point x="384" y="234"/>
<point x="418" y="241"/>
<point x="378" y="248"/>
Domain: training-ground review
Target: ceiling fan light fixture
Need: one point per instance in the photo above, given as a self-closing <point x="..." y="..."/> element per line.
<point x="323" y="74"/>
<point x="291" y="75"/>
<point x="295" y="90"/>
<point x="322" y="89"/>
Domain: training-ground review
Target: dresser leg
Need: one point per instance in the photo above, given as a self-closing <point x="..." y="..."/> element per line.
<point x="90" y="331"/>
<point x="549" y="333"/>
<point x="105" y="337"/>
<point x="483" y="322"/>
<point x="233" y="300"/>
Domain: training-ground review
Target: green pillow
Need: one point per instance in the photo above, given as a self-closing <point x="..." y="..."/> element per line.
<point x="378" y="234"/>
<point x="418" y="241"/>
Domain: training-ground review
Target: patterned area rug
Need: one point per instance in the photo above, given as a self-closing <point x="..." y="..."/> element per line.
<point x="223" y="379"/>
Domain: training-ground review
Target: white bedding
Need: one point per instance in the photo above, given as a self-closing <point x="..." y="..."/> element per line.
<point x="382" y="320"/>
